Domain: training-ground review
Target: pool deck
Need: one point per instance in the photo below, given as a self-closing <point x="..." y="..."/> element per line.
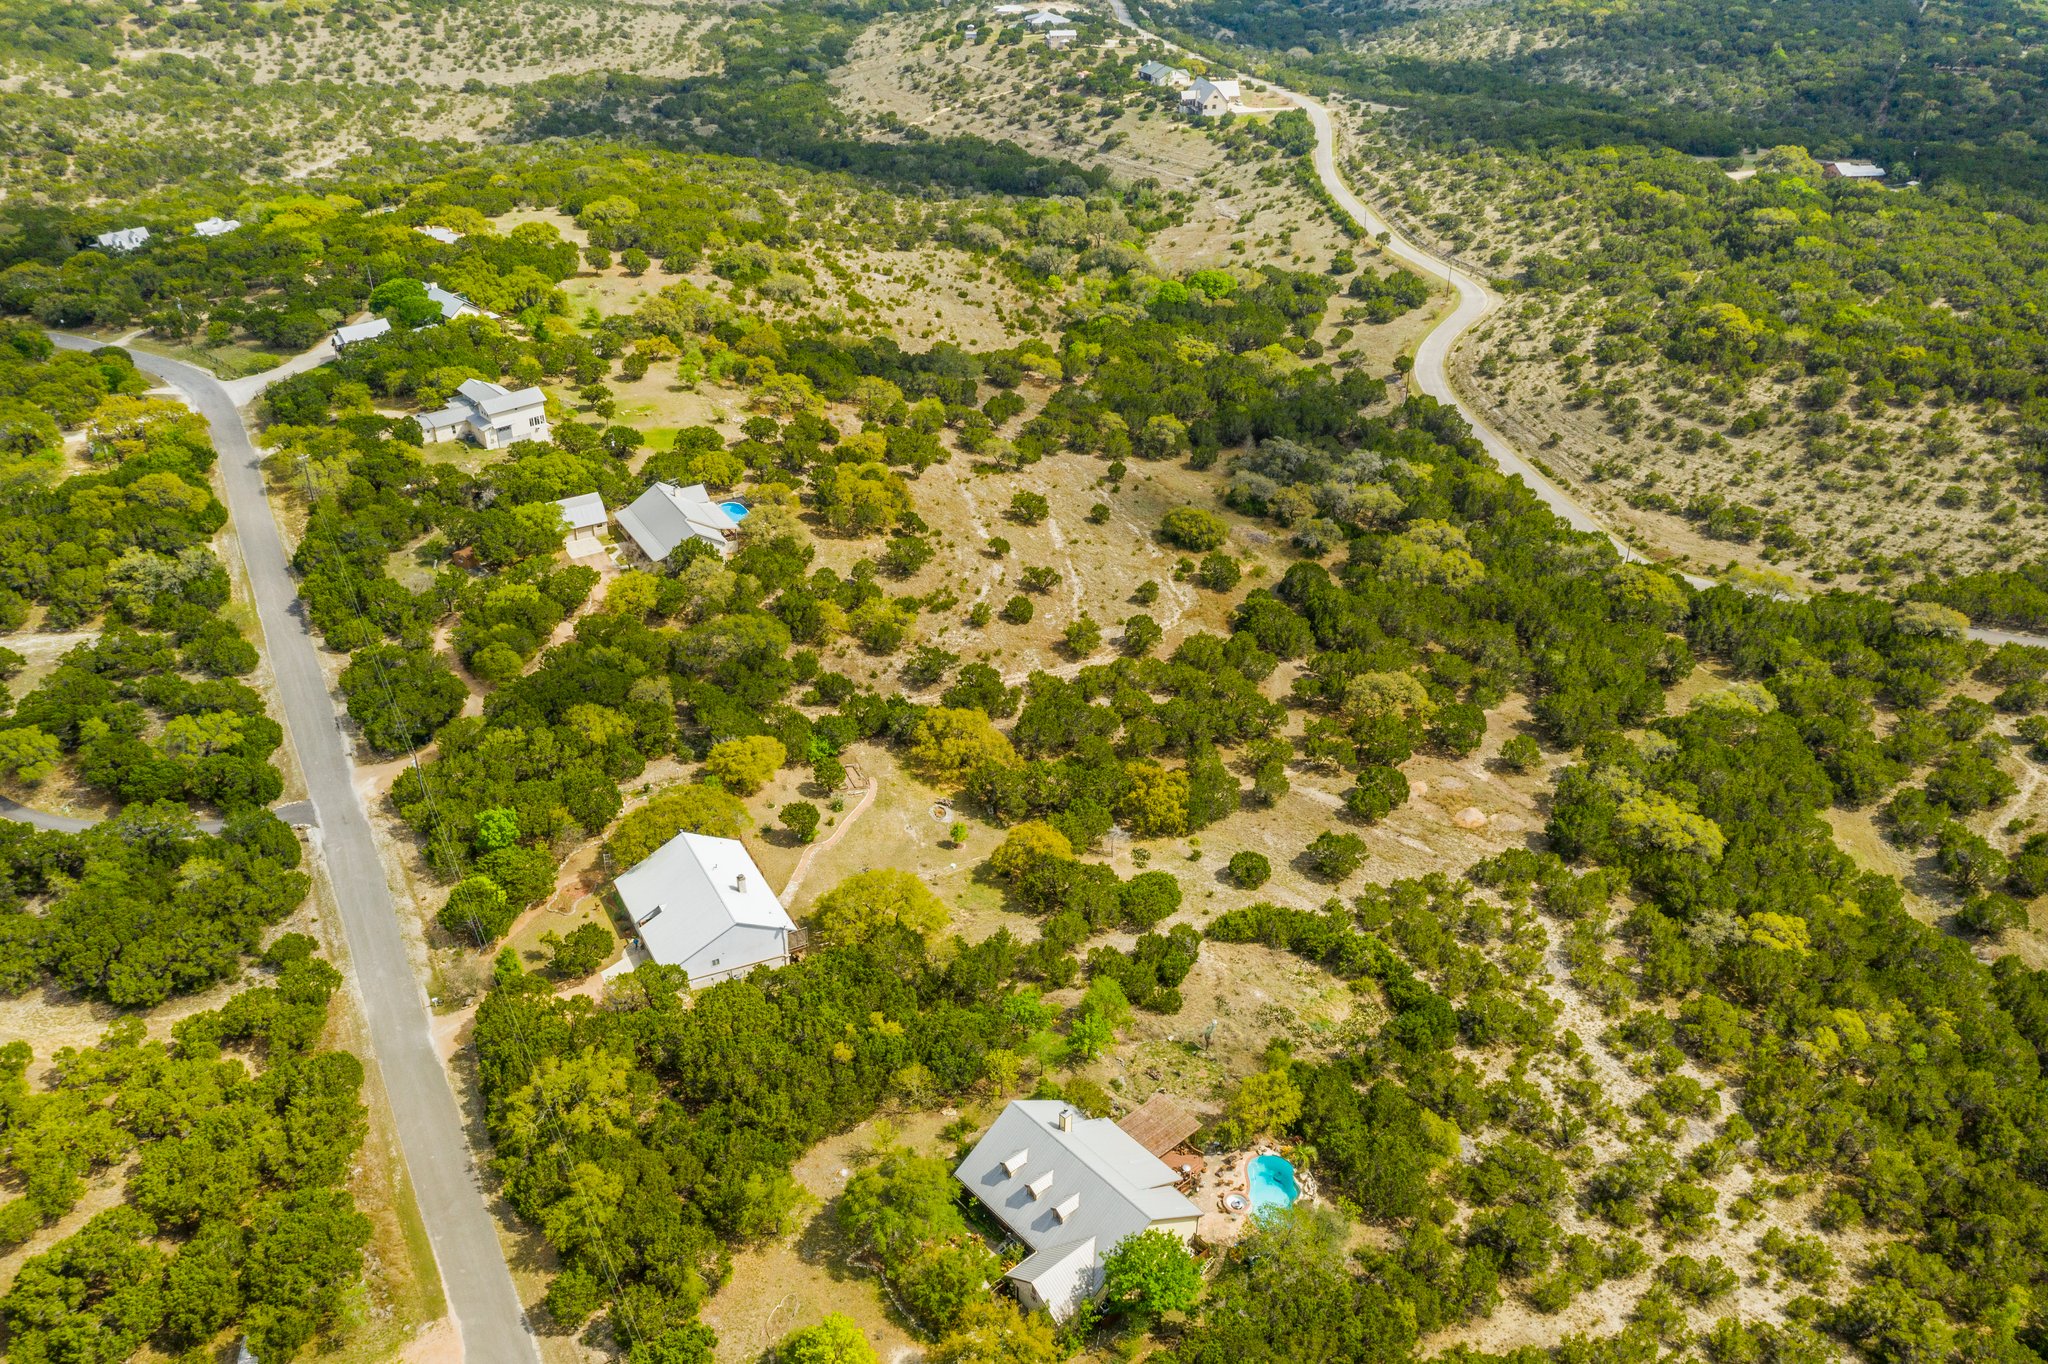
<point x="1220" y="1226"/>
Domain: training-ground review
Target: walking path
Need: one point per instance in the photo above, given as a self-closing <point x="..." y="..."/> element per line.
<point x="803" y="863"/>
<point x="451" y="1197"/>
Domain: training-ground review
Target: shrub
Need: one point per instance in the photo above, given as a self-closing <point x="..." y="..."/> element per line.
<point x="1193" y="529"/>
<point x="1521" y="754"/>
<point x="1018" y="610"/>
<point x="800" y="817"/>
<point x="1250" y="870"/>
<point x="577" y="955"/>
<point x="1334" y="856"/>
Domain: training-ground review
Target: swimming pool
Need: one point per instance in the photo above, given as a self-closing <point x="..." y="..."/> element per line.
<point x="736" y="510"/>
<point x="1272" y="1184"/>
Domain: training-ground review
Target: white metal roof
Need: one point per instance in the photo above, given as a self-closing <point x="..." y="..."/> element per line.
<point x="362" y="331"/>
<point x="583" y="511"/>
<point x="693" y="888"/>
<point x="447" y="236"/>
<point x="452" y="305"/>
<point x="665" y="515"/>
<point x="1044" y="1264"/>
<point x="1857" y="170"/>
<point x="123" y="239"/>
<point x="495" y="400"/>
<point x="216" y="227"/>
<point x="1103" y="1185"/>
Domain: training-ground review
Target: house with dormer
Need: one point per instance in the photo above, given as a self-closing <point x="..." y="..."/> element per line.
<point x="1071" y="1188"/>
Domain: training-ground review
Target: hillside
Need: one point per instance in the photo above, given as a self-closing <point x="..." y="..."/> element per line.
<point x="1126" y="680"/>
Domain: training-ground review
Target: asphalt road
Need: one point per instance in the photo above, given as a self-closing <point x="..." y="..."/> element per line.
<point x="451" y="1197"/>
<point x="1475" y="301"/>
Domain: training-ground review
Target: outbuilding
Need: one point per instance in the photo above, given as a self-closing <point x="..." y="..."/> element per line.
<point x="344" y="337"/>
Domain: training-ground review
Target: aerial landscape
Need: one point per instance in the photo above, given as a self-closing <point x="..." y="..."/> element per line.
<point x="895" y="682"/>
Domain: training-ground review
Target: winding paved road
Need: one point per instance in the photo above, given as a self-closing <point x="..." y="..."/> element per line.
<point x="1475" y="301"/>
<point x="451" y="1197"/>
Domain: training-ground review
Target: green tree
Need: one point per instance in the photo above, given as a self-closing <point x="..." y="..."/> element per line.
<point x="946" y="743"/>
<point x="835" y="1340"/>
<point x="745" y="765"/>
<point x="695" y="809"/>
<point x="800" y="817"/>
<point x="853" y="910"/>
<point x="28" y="755"/>
<point x="1268" y="1101"/>
<point x="1150" y="1274"/>
<point x="400" y="697"/>
<point x="1193" y="529"/>
<point x="580" y="953"/>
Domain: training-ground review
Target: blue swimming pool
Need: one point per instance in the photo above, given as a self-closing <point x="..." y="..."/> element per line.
<point x="1272" y="1184"/>
<point x="736" y="510"/>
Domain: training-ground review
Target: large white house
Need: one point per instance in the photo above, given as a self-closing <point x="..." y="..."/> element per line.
<point x="700" y="903"/>
<point x="666" y="515"/>
<point x="490" y="414"/>
<point x="123" y="239"/>
<point x="447" y="236"/>
<point x="215" y="227"/>
<point x="1070" y="1188"/>
<point x="1851" y="170"/>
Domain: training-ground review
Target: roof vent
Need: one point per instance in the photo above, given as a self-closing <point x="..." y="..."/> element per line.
<point x="739" y="883"/>
<point x="1039" y="1185"/>
<point x="1012" y="1164"/>
<point x="1068" y="1207"/>
<point x="647" y="918"/>
<point x="1066" y="1120"/>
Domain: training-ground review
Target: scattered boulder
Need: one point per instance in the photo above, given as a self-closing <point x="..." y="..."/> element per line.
<point x="1471" y="817"/>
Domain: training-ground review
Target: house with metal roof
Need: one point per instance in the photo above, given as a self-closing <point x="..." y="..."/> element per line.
<point x="1211" y="99"/>
<point x="666" y="515"/>
<point x="215" y="227"/>
<point x="490" y="414"/>
<point x="1159" y="73"/>
<point x="453" y="305"/>
<point x="1851" y="170"/>
<point x="700" y="903"/>
<point x="123" y="239"/>
<point x="447" y="236"/>
<point x="1046" y="18"/>
<point x="1072" y="1189"/>
<point x="344" y="337"/>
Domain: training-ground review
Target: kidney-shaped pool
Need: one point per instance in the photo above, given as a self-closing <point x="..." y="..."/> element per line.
<point x="1272" y="1184"/>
